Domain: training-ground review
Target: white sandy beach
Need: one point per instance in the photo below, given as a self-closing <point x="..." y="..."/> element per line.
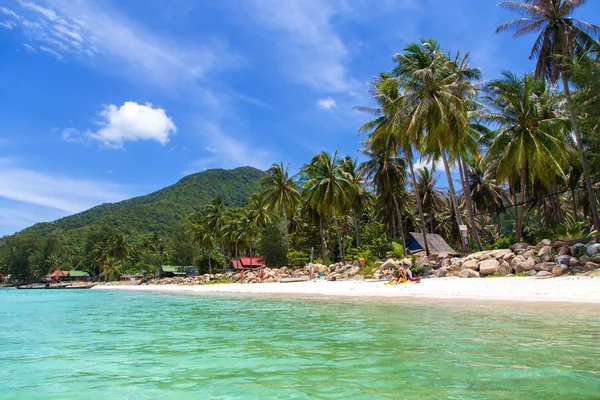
<point x="563" y="290"/>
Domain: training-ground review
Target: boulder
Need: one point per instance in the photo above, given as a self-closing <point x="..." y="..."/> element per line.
<point x="488" y="267"/>
<point x="584" y="260"/>
<point x="593" y="249"/>
<point x="545" y="266"/>
<point x="594" y="272"/>
<point x="518" y="259"/>
<point x="526" y="265"/>
<point x="442" y="272"/>
<point x="564" y="251"/>
<point x="353" y="271"/>
<point x="573" y="262"/>
<point x="545" y="253"/>
<point x="531" y="272"/>
<point x="468" y="273"/>
<point x="528" y="253"/>
<point x="545" y="242"/>
<point x="470" y="264"/>
<point x="520" y="246"/>
<point x="559" y="270"/>
<point x="389" y="264"/>
<point x="543" y="275"/>
<point x="596" y="259"/>
<point x="378" y="264"/>
<point x="504" y="268"/>
<point x="591" y="266"/>
<point x="500" y="253"/>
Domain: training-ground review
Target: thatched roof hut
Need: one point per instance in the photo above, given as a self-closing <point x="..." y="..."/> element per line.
<point x="436" y="243"/>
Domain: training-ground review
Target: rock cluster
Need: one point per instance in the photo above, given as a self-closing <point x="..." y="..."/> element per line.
<point x="547" y="259"/>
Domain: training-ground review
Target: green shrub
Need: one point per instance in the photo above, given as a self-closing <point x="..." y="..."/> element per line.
<point x="297" y="258"/>
<point x="398" y="251"/>
<point x="504" y="243"/>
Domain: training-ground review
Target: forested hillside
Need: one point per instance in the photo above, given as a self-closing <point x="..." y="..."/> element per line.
<point x="160" y="211"/>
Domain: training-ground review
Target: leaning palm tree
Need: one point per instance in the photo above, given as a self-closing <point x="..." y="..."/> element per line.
<point x="560" y="39"/>
<point x="528" y="144"/>
<point x="360" y="196"/>
<point x="328" y="189"/>
<point x="435" y="88"/>
<point x="426" y="186"/>
<point x="202" y="235"/>
<point x="281" y="194"/>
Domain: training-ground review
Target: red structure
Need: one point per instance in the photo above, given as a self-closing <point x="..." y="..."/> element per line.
<point x="249" y="263"/>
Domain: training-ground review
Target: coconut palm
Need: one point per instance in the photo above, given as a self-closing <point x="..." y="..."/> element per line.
<point x="388" y="174"/>
<point x="281" y="194"/>
<point x="111" y="267"/>
<point x="426" y="183"/>
<point x="328" y="189"/>
<point x="214" y="215"/>
<point x="435" y="88"/>
<point x="560" y="39"/>
<point x="528" y="144"/>
<point x="202" y="235"/>
<point x="389" y="129"/>
<point x="361" y="197"/>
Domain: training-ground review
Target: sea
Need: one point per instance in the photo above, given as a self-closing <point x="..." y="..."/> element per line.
<point x="96" y="344"/>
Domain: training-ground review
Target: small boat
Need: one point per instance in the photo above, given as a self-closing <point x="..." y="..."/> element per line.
<point x="294" y="279"/>
<point x="91" y="285"/>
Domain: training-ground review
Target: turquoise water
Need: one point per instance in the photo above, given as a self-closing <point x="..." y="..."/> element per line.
<point x="129" y="345"/>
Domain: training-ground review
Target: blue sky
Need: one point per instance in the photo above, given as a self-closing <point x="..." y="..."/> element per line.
<point x="103" y="100"/>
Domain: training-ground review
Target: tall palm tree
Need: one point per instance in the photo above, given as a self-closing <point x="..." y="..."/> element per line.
<point x="527" y="144"/>
<point x="389" y="129"/>
<point x="214" y="215"/>
<point x="328" y="189"/>
<point x="360" y="196"/>
<point x="560" y="39"/>
<point x="426" y="183"/>
<point x="202" y="235"/>
<point x="388" y="174"/>
<point x="434" y="90"/>
<point x="281" y="194"/>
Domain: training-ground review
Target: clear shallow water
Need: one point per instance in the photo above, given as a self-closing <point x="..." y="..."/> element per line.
<point x="129" y="345"/>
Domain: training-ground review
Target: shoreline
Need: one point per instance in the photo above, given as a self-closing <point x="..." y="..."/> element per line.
<point x="517" y="290"/>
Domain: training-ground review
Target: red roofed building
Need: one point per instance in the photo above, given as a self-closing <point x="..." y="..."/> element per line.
<point x="59" y="275"/>
<point x="249" y="263"/>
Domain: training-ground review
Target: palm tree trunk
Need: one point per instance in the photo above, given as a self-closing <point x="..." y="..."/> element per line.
<point x="574" y="204"/>
<point x="209" y="265"/>
<point x="464" y="246"/>
<point x="287" y="231"/>
<point x="394" y="230"/>
<point x="339" y="239"/>
<point x="323" y="250"/>
<point x="400" y="224"/>
<point x="467" y="194"/>
<point x="356" y="228"/>
<point x="236" y="251"/>
<point x="419" y="204"/>
<point x="224" y="260"/>
<point x="584" y="163"/>
<point x="519" y="229"/>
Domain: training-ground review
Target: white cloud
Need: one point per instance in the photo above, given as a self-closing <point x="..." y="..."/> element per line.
<point x="29" y="48"/>
<point x="128" y="123"/>
<point x="61" y="193"/>
<point x="8" y="24"/>
<point x="10" y="13"/>
<point x="313" y="53"/>
<point x="326" y="104"/>
<point x="84" y="29"/>
<point x="50" y="51"/>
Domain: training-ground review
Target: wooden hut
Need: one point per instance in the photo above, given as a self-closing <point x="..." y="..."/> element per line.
<point x="249" y="263"/>
<point x="436" y="243"/>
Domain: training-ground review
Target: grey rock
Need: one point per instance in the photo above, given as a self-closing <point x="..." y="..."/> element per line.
<point x="594" y="272"/>
<point x="559" y="270"/>
<point x="526" y="265"/>
<point x="470" y="264"/>
<point x="545" y="266"/>
<point x="531" y="272"/>
<point x="545" y="242"/>
<point x="504" y="269"/>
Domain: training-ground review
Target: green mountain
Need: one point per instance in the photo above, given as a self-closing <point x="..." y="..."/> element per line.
<point x="161" y="211"/>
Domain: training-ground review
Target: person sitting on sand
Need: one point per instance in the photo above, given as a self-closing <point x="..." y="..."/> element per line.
<point x="404" y="275"/>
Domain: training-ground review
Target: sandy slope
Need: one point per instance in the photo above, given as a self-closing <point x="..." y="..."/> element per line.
<point x="565" y="289"/>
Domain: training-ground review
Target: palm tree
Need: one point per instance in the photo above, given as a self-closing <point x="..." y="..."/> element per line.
<point x="388" y="174"/>
<point x="328" y="189"/>
<point x="560" y="39"/>
<point x="435" y="88"/>
<point x="389" y="129"/>
<point x="214" y="215"/>
<point x="361" y="197"/>
<point x="281" y="194"/>
<point x="426" y="183"/>
<point x="202" y="235"/>
<point x="110" y="267"/>
<point x="527" y="143"/>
